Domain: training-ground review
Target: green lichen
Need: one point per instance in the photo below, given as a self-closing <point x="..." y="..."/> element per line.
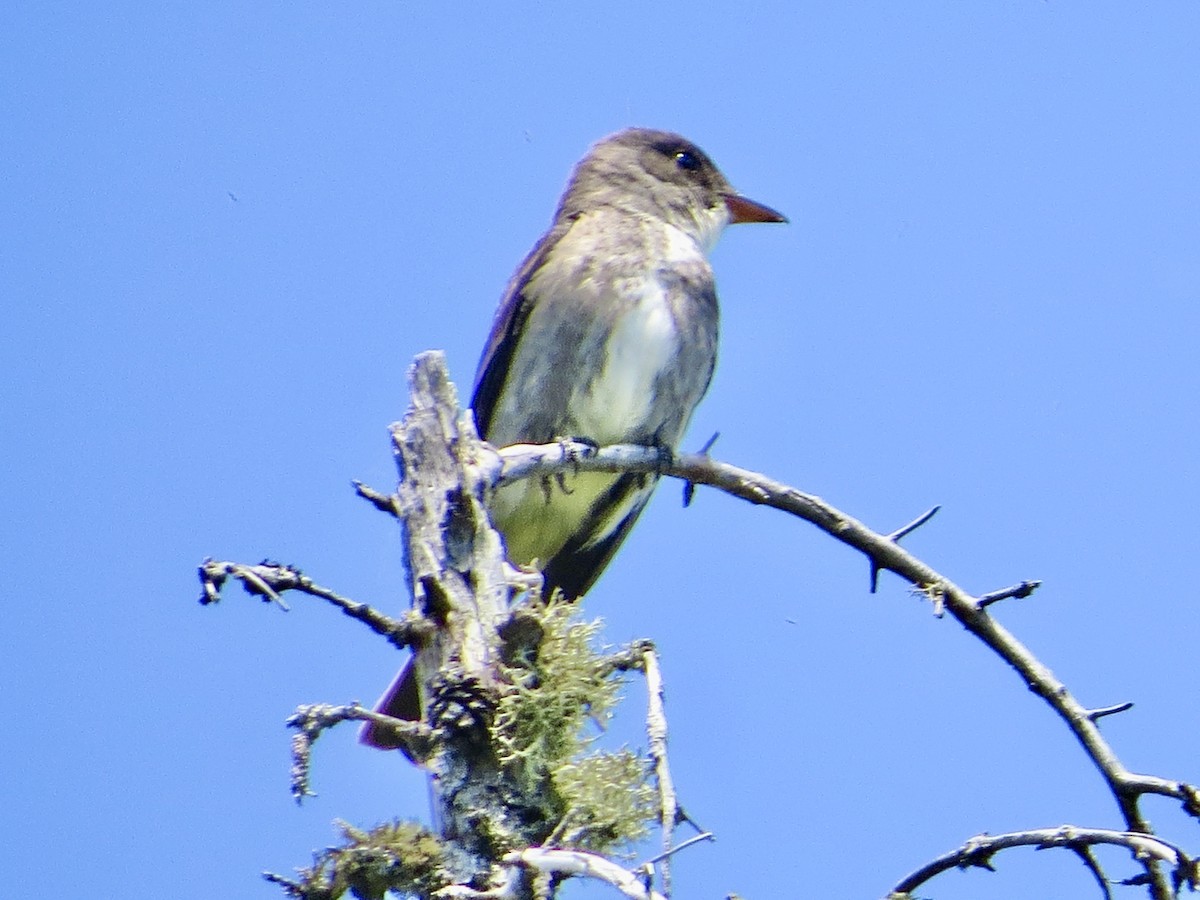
<point x="608" y="798"/>
<point x="559" y="690"/>
<point x="402" y="857"/>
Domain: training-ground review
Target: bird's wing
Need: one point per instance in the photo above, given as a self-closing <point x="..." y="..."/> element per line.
<point x="506" y="330"/>
<point x="579" y="563"/>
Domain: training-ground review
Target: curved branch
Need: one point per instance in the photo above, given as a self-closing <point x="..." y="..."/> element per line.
<point x="979" y="850"/>
<point x="309" y="721"/>
<point x="525" y="460"/>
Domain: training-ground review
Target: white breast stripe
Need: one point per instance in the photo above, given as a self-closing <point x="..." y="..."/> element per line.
<point x="642" y="345"/>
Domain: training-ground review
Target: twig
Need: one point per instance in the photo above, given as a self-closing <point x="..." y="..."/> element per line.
<point x="627" y="659"/>
<point x="1092" y="864"/>
<point x="256" y="580"/>
<point x="671" y="851"/>
<point x="656" y="734"/>
<point x="1019" y="591"/>
<point x="382" y="502"/>
<point x="270" y="579"/>
<point x="290" y="886"/>
<point x="310" y="721"/>
<point x="916" y="523"/>
<point x="1103" y="711"/>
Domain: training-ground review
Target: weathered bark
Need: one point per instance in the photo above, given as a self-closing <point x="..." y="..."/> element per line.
<point x="455" y="562"/>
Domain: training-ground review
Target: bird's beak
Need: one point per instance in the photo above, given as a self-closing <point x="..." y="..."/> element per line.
<point x="742" y="209"/>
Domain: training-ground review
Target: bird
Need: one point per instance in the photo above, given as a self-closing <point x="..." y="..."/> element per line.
<point x="606" y="333"/>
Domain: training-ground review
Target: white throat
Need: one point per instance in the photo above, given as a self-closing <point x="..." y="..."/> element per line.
<point x="709" y="225"/>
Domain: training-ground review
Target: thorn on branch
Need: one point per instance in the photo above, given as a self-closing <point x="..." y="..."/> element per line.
<point x="689" y="487"/>
<point x="1103" y="711"/>
<point x="1092" y="864"/>
<point x="382" y="502"/>
<point x="896" y="536"/>
<point x="1019" y="591"/>
<point x="695" y="839"/>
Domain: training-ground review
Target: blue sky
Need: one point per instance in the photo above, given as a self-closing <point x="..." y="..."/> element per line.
<point x="986" y="298"/>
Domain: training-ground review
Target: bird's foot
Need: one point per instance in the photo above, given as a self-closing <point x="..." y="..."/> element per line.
<point x="666" y="455"/>
<point x="572" y="447"/>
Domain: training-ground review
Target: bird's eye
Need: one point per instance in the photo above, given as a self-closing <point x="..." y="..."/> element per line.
<point x="685" y="159"/>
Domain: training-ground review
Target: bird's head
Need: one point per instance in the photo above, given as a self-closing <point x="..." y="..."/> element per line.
<point x="661" y="174"/>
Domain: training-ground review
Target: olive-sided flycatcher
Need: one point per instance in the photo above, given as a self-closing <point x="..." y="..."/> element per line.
<point x="607" y="332"/>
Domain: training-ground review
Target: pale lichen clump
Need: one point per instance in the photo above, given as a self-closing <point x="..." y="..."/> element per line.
<point x="556" y="693"/>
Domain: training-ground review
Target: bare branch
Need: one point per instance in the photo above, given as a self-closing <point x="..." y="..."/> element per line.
<point x="524" y="460"/>
<point x="461" y="587"/>
<point x="656" y="733"/>
<point x="310" y="721"/>
<point x="265" y="580"/>
<point x="578" y="863"/>
<point x="270" y="579"/>
<point x="979" y="850"/>
<point x="629" y="658"/>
